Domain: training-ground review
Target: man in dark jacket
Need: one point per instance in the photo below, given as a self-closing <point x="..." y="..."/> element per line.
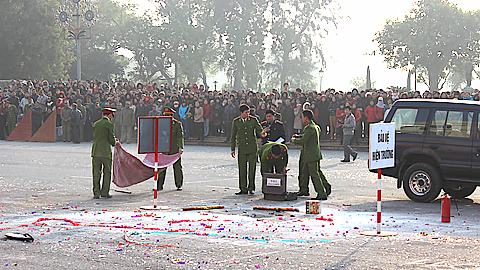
<point x="76" y="119"/>
<point x="229" y="113"/>
<point x="37" y="117"/>
<point x="3" y="120"/>
<point x="96" y="113"/>
<point x="288" y="119"/>
<point x="141" y="109"/>
<point x="274" y="129"/>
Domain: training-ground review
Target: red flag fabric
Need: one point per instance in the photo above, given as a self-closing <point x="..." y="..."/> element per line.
<point x="128" y="170"/>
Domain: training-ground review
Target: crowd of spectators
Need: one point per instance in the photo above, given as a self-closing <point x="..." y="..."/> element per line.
<point x="202" y="111"/>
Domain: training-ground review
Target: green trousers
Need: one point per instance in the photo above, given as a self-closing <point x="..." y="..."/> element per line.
<point x="311" y="170"/>
<point x="81" y="129"/>
<point x="99" y="164"/>
<point x="126" y="133"/>
<point x="268" y="167"/>
<point x="10" y="127"/>
<point x="67" y="131"/>
<point x="177" y="175"/>
<point x="243" y="159"/>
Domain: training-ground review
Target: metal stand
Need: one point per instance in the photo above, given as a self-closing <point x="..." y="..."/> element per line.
<point x="155" y="177"/>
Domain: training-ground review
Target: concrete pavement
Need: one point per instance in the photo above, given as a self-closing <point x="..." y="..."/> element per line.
<point x="46" y="191"/>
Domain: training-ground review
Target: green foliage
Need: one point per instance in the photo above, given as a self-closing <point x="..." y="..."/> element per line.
<point x="400" y="89"/>
<point x="293" y="25"/>
<point x="435" y="37"/>
<point x="187" y="39"/>
<point x="187" y="28"/>
<point x="241" y="28"/>
<point x="32" y="46"/>
<point x="100" y="58"/>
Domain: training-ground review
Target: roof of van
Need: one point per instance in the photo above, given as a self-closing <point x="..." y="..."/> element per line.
<point x="432" y="103"/>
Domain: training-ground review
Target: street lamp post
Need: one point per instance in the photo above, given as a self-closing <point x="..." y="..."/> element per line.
<point x="321" y="78"/>
<point x="86" y="15"/>
<point x="215" y="85"/>
<point x="79" y="48"/>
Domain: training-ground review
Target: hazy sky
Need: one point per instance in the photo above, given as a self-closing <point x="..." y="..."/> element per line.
<point x="346" y="46"/>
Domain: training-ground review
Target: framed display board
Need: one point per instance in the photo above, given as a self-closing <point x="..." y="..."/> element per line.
<point x="381" y="146"/>
<point x="155" y="134"/>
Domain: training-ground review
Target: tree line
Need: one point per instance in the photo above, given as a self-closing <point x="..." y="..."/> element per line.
<point x="257" y="43"/>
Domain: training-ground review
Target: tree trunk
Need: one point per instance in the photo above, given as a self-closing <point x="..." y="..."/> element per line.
<point x="283" y="67"/>
<point x="433" y="79"/>
<point x="204" y="76"/>
<point x="238" y="72"/>
<point x="166" y="76"/>
<point x="176" y="73"/>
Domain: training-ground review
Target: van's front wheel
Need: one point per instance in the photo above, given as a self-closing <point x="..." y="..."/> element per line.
<point x="422" y="182"/>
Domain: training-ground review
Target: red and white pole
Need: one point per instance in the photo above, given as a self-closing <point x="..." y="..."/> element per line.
<point x="379" y="201"/>
<point x="155" y="178"/>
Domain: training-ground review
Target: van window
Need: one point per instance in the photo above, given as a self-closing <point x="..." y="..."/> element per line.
<point x="438" y="121"/>
<point x="478" y="126"/>
<point x="410" y="120"/>
<point x="451" y="124"/>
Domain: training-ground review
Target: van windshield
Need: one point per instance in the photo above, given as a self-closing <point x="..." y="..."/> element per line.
<point x="410" y="120"/>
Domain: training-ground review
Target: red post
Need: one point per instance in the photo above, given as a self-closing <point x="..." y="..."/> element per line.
<point x="379" y="201"/>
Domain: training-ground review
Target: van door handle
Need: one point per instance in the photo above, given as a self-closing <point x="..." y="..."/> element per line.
<point x="433" y="146"/>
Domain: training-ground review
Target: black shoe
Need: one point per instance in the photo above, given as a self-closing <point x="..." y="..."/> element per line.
<point x="320" y="198"/>
<point x="355" y="156"/>
<point x="343" y="160"/>
<point x="179" y="188"/>
<point x="303" y="194"/>
<point x="107" y="196"/>
<point x="328" y="189"/>
<point x="96" y="197"/>
<point x="251" y="192"/>
<point x="241" y="193"/>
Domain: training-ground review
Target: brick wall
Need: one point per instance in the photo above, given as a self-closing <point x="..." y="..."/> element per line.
<point x="46" y="133"/>
<point x="23" y="130"/>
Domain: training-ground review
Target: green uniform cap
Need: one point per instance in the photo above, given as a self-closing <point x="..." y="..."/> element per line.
<point x="108" y="111"/>
<point x="168" y="110"/>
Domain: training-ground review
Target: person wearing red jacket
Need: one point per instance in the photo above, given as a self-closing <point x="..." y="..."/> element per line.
<point x="206" y="117"/>
<point x="371" y="118"/>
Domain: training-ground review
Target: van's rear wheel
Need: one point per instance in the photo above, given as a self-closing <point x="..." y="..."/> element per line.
<point x="459" y="191"/>
<point x="422" y="182"/>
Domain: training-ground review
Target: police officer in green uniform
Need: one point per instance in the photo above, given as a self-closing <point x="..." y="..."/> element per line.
<point x="273" y="156"/>
<point x="177" y="146"/>
<point x="246" y="128"/>
<point x="326" y="184"/>
<point x="12" y="114"/>
<point x="103" y="138"/>
<point x="310" y="156"/>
